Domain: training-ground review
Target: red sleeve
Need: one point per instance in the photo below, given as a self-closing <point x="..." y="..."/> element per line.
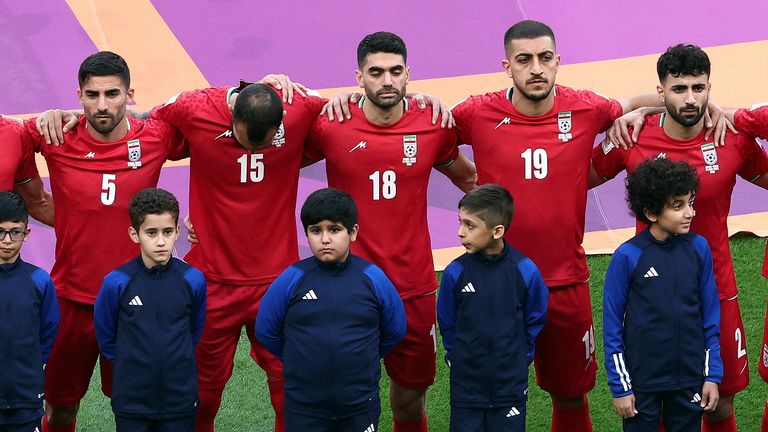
<point x="608" y="160"/>
<point x="313" y="149"/>
<point x="27" y="169"/>
<point x="35" y="139"/>
<point x="179" y="109"/>
<point x="463" y="112"/>
<point x="753" y="122"/>
<point x="449" y="150"/>
<point x="313" y="104"/>
<point x="178" y="147"/>
<point x="606" y="109"/>
<point x="754" y="159"/>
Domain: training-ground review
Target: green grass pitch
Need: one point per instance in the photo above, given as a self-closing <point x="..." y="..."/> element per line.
<point x="246" y="401"/>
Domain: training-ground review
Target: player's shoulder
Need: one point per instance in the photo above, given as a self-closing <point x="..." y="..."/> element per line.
<point x="477" y="101"/>
<point x="581" y="96"/>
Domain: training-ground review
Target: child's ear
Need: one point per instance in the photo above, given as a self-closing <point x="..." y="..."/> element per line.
<point x="649" y="215"/>
<point x="498" y="232"/>
<point x="134" y="235"/>
<point x="353" y="233"/>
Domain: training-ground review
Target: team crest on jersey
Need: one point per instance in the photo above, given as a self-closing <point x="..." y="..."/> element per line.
<point x="765" y="355"/>
<point x="279" y="138"/>
<point x="409" y="149"/>
<point x="564" y="125"/>
<point x="710" y="157"/>
<point x="134" y="153"/>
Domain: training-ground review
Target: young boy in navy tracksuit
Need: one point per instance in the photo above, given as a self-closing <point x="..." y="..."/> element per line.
<point x="29" y="319"/>
<point x="661" y="312"/>
<point x="491" y="306"/>
<point x="149" y="316"/>
<point x="330" y="319"/>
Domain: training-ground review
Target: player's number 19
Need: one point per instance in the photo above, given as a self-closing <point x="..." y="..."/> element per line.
<point x="535" y="163"/>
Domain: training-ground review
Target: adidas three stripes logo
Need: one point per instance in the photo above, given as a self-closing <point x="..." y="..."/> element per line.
<point x="136" y="301"/>
<point x="310" y="295"/>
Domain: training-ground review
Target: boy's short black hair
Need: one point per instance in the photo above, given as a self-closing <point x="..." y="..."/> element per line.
<point x="13" y="208"/>
<point x="491" y="203"/>
<point x="152" y="201"/>
<point x="680" y="60"/>
<point x="330" y="204"/>
<point x="527" y="29"/>
<point x="381" y="42"/>
<point x="655" y="181"/>
<point x="104" y="63"/>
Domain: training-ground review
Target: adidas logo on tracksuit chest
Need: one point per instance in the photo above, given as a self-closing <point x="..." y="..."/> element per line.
<point x="468" y="288"/>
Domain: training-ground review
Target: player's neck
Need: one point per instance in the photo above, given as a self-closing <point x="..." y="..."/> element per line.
<point x="532" y="108"/>
<point x="675" y="130"/>
<point x="115" y="135"/>
<point x="382" y="116"/>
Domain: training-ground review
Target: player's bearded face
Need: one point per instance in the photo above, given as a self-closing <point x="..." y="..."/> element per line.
<point x="686" y="98"/>
<point x="104" y="100"/>
<point x="532" y="64"/>
<point x="384" y="78"/>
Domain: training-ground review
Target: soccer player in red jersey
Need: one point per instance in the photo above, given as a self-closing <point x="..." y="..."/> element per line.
<point x="678" y="133"/>
<point x="18" y="170"/>
<point x="109" y="158"/>
<point x="535" y="139"/>
<point x="383" y="157"/>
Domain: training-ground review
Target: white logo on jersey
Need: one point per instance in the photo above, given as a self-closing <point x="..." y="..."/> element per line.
<point x="136" y="301"/>
<point x="409" y="149"/>
<point x="134" y="153"/>
<point x="468" y="288"/>
<point x="696" y="398"/>
<point x="564" y="126"/>
<point x="279" y="138"/>
<point x="310" y="295"/>
<point x="661" y="156"/>
<point x="503" y="122"/>
<point x="513" y="412"/>
<point x="370" y="428"/>
<point x="225" y="134"/>
<point x="710" y="157"/>
<point x="90" y="155"/>
<point x="360" y="145"/>
<point x="651" y="273"/>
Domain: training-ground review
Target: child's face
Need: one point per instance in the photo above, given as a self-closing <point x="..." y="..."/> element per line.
<point x="156" y="236"/>
<point x="12" y="236"/>
<point x="330" y="241"/>
<point x="475" y="235"/>
<point x="675" y="217"/>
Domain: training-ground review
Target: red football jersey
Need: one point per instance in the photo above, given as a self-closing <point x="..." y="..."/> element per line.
<point x="544" y="163"/>
<point x="754" y="122"/>
<point x="92" y="184"/>
<point x="17" y="164"/>
<point x="717" y="169"/>
<point x="386" y="171"/>
<point x="241" y="203"/>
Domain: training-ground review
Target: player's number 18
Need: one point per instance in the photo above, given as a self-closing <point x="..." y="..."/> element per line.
<point x="384" y="184"/>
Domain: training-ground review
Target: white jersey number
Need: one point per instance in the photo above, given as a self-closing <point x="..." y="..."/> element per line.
<point x="535" y="163"/>
<point x="384" y="185"/>
<point x="251" y="168"/>
<point x="108" y="189"/>
<point x="740" y="351"/>
<point x="589" y="343"/>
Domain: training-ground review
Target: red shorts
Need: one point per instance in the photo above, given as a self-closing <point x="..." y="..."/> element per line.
<point x="565" y="348"/>
<point x="733" y="349"/>
<point x="74" y="355"/>
<point x="230" y="307"/>
<point x="411" y="363"/>
<point x="762" y="366"/>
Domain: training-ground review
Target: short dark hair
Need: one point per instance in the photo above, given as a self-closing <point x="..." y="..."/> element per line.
<point x="491" y="203"/>
<point x="528" y="29"/>
<point x="260" y="109"/>
<point x="153" y="201"/>
<point x="682" y="60"/>
<point x="104" y="63"/>
<point x="381" y="42"/>
<point x="330" y="204"/>
<point x="13" y="208"/>
<point x="655" y="181"/>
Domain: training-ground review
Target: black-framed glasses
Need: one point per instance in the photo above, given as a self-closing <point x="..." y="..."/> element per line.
<point x="16" y="235"/>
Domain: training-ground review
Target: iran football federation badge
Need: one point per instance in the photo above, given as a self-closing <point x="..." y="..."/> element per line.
<point x="279" y="138"/>
<point x="134" y="153"/>
<point x="564" y="126"/>
<point x="409" y="149"/>
<point x="710" y="158"/>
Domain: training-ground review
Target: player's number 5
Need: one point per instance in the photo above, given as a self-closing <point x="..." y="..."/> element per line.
<point x="251" y="168"/>
<point x="108" y="189"/>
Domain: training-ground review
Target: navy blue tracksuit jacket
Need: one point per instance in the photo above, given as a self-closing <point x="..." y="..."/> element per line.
<point x="29" y="320"/>
<point x="661" y="315"/>
<point x="331" y="324"/>
<point x="490" y="310"/>
<point x="148" y="322"/>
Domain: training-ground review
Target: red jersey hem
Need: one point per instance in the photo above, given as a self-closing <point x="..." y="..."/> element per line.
<point x="556" y="283"/>
<point x="231" y="281"/>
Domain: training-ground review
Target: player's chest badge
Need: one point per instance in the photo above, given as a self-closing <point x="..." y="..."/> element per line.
<point x="710" y="157"/>
<point x="134" y="153"/>
<point x="279" y="138"/>
<point x="564" y="124"/>
<point x="409" y="149"/>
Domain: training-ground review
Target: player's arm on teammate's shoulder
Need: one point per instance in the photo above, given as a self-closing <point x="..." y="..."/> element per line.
<point x="338" y="107"/>
<point x="461" y="171"/>
<point x="39" y="201"/>
<point x="53" y="124"/>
